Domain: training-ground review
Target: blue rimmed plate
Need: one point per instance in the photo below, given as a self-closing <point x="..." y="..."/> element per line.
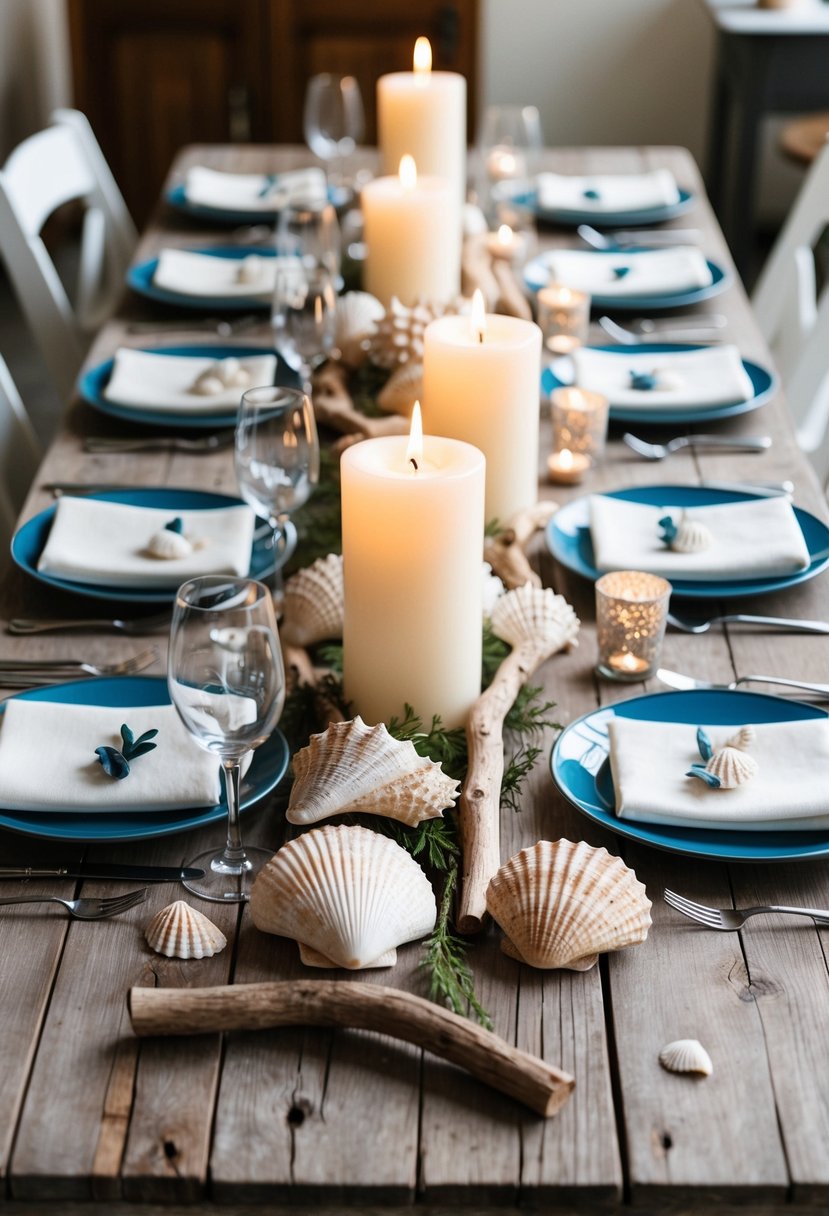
<point x="266" y="770"/>
<point x="340" y="196"/>
<point x="569" y="218"/>
<point x="581" y="770"/>
<point x="763" y="383"/>
<point x="28" y="542"/>
<point x="92" y="383"/>
<point x="537" y="275"/>
<point x="140" y="278"/>
<point x="568" y="539"/>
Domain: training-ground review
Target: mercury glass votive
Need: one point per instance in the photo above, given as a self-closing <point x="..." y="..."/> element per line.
<point x="564" y="317"/>
<point x="631" y="611"/>
<point x="579" y="420"/>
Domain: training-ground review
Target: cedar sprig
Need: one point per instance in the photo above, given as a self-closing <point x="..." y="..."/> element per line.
<point x="450" y="977"/>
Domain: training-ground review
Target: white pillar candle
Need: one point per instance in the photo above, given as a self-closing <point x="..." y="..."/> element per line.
<point x="481" y="383"/>
<point x="423" y="113"/>
<point x="412" y="553"/>
<point x="413" y="239"/>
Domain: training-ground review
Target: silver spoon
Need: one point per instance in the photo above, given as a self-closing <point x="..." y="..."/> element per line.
<point x="683" y="329"/>
<point x="740" y="618"/>
<point x="658" y="451"/>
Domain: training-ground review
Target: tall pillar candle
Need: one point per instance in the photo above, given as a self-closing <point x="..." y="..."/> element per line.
<point x="423" y="113"/>
<point x="412" y="236"/>
<point x="412" y="554"/>
<point x="481" y="384"/>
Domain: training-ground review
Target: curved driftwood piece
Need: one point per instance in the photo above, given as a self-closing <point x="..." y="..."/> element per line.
<point x="506" y="552"/>
<point x="334" y="407"/>
<point x="166" y="1011"/>
<point x="477" y="270"/>
<point x="510" y="299"/>
<point x="301" y="670"/>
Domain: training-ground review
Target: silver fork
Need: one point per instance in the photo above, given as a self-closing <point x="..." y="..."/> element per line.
<point x="58" y="668"/>
<point x="675" y="679"/>
<point x="84" y="909"/>
<point x="729" y="919"/>
<point x="142" y="624"/>
<point x="204" y="443"/>
<point x="742" y="618"/>
<point x="658" y="451"/>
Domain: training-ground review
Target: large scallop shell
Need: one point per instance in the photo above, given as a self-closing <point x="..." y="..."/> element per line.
<point x="562" y="904"/>
<point x="732" y="767"/>
<point x="686" y="1055"/>
<point x="352" y="767"/>
<point x="179" y="931"/>
<point x="346" y="893"/>
<point x="403" y="387"/>
<point x="534" y="614"/>
<point x="313" y="958"/>
<point x="313" y="604"/>
<point x="357" y="315"/>
<point x="691" y="536"/>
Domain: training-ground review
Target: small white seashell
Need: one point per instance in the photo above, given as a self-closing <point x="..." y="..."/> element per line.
<point x="686" y="1055"/>
<point x="531" y="613"/>
<point x="251" y="269"/>
<point x="313" y="958"/>
<point x="493" y="589"/>
<point x="732" y="767"/>
<point x="167" y="545"/>
<point x="403" y="387"/>
<point x="357" y="315"/>
<point x="208" y="384"/>
<point x="219" y="376"/>
<point x="691" y="536"/>
<point x="179" y="931"/>
<point x="351" y="768"/>
<point x="313" y="604"/>
<point x="743" y="738"/>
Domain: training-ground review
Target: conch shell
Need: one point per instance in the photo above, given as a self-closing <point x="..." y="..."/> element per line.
<point x="179" y="931"/>
<point x="686" y="1055"/>
<point x="313" y="604"/>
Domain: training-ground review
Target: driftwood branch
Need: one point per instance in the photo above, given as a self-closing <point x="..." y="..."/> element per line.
<point x="334" y="407"/>
<point x="167" y="1011"/>
<point x="506" y="552"/>
<point x="477" y="271"/>
<point x="301" y="669"/>
<point x="510" y="299"/>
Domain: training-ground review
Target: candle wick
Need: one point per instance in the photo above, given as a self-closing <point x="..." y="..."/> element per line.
<point x="414" y="462"/>
<point x="481" y="337"/>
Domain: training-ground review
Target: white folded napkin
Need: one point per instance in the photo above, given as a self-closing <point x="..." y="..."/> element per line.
<point x="105" y="543"/>
<point x="649" y="272"/>
<point x="605" y="192"/>
<point x="203" y="274"/>
<point x="48" y="761"/>
<point x="712" y="376"/>
<point x="253" y="191"/>
<point x="760" y="538"/>
<point x="789" y="791"/>
<point x="165" y="382"/>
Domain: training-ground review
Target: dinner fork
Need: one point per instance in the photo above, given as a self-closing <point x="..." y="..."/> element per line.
<point x="728" y="919"/>
<point x="204" y="443"/>
<point x="48" y="668"/>
<point x="84" y="909"/>
<point x="731" y="443"/>
<point x="741" y="618"/>
<point x="675" y="679"/>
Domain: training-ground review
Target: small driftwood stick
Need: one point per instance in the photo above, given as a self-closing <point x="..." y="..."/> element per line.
<point x="510" y="299"/>
<point x="506" y="552"/>
<point x="298" y="661"/>
<point x="167" y="1011"/>
<point x="334" y="407"/>
<point x="477" y="270"/>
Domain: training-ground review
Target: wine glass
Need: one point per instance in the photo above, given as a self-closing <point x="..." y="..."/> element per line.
<point x="309" y="230"/>
<point x="227" y="682"/>
<point x="509" y="143"/>
<point x="277" y="461"/>
<point x="332" y="121"/>
<point x="303" y="316"/>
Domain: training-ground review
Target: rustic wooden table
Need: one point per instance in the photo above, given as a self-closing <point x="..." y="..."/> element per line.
<point x="333" y="1119"/>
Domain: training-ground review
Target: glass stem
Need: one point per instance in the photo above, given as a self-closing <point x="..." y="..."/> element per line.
<point x="234" y="851"/>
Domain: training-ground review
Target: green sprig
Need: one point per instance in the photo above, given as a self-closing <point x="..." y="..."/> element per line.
<point x="450" y="977"/>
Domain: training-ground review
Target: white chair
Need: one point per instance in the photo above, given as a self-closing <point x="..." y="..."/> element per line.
<point x="19" y="454"/>
<point x="62" y="164"/>
<point x="807" y="393"/>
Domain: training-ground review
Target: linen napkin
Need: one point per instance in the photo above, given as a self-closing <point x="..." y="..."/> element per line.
<point x="253" y="191"/>
<point x="165" y="382"/>
<point x="649" y="272"/>
<point x="752" y="539"/>
<point x="789" y="791"/>
<point x="712" y="376"/>
<point x="607" y="192"/>
<point x="207" y="275"/>
<point x="48" y="761"/>
<point x="105" y="543"/>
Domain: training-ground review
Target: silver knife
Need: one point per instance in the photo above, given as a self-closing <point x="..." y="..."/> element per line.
<point x="91" y="869"/>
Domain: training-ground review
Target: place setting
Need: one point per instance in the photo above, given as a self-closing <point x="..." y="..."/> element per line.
<point x="614" y="200"/>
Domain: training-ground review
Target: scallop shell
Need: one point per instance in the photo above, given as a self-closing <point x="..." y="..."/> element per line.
<point x="562" y="904"/>
<point x="313" y="958"/>
<point x="403" y="387"/>
<point x="251" y="269"/>
<point x="179" y="931"/>
<point x="732" y="767"/>
<point x="345" y="892"/>
<point x="493" y="589"/>
<point x="167" y="545"/>
<point x="221" y="375"/>
<point x="534" y="614"/>
<point x="352" y="768"/>
<point x="313" y="604"/>
<point x="399" y="335"/>
<point x="691" y="537"/>
<point x="686" y="1055"/>
<point x="357" y="315"/>
<point x="743" y="739"/>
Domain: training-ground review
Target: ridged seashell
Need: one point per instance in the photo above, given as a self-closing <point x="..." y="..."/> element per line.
<point x="208" y="384"/>
<point x="691" y="537"/>
<point x="357" y="315"/>
<point x="346" y="892"/>
<point x="313" y="604"/>
<point x="493" y="589"/>
<point x="352" y="768"/>
<point x="179" y="931"/>
<point x="251" y="269"/>
<point x="562" y="904"/>
<point x="686" y="1055"/>
<point x="403" y="387"/>
<point x="532" y="613"/>
<point x="221" y="375"/>
<point x="399" y="335"/>
<point x="732" y="767"/>
<point x="166" y="545"/>
<point x="743" y="738"/>
<point x="313" y="958"/>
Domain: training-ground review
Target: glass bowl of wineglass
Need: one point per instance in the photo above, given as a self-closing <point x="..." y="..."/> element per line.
<point x="303" y="315"/>
<point x="333" y="121"/>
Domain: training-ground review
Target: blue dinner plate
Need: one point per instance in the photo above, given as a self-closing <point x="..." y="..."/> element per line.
<point x="605" y="219"/>
<point x="28" y="542"/>
<point x="537" y="275"/>
<point x="140" y="279"/>
<point x="266" y="770"/>
<point x="340" y="196"/>
<point x="568" y="539"/>
<point x="581" y="770"/>
<point x="763" y="383"/>
<point x="92" y="383"/>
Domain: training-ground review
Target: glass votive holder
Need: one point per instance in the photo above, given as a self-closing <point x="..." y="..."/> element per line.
<point x="579" y="419"/>
<point x="631" y="611"/>
<point x="564" y="317"/>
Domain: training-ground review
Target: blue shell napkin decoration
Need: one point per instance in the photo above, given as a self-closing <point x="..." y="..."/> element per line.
<point x="116" y="764"/>
<point x="669" y="530"/>
<point x="268" y="185"/>
<point x="687" y="536"/>
<point x="592" y="193"/>
<point x="643" y="381"/>
<point x="728" y="766"/>
<point x="619" y="272"/>
<point x="175" y="525"/>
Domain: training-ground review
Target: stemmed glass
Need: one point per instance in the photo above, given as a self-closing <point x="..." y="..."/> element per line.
<point x="509" y="143"/>
<point x="277" y="461"/>
<point x="310" y="231"/>
<point x="333" y="119"/>
<point x="303" y="316"/>
<point x="227" y="682"/>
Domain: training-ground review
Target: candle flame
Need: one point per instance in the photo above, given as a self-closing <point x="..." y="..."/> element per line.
<point x="414" y="450"/>
<point x="629" y="661"/>
<point x="565" y="458"/>
<point x="423" y="55"/>
<point x="505" y="236"/>
<point x="477" y="319"/>
<point x="408" y="172"/>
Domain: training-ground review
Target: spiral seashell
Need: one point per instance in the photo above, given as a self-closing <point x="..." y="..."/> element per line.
<point x="352" y="768"/>
<point x="686" y="1055"/>
<point x="313" y="604"/>
<point x="691" y="536"/>
<point x="732" y="767"/>
<point x="167" y="546"/>
<point x="534" y="614"/>
<point x="357" y="315"/>
<point x="562" y="904"/>
<point x="403" y="387"/>
<point x="179" y="931"/>
<point x="346" y="893"/>
<point x="399" y="335"/>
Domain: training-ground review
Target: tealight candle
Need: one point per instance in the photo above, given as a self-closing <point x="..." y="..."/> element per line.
<point x="567" y="468"/>
<point x="579" y="420"/>
<point x="503" y="163"/>
<point x="506" y="244"/>
<point x="631" y="612"/>
<point x="564" y="317"/>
